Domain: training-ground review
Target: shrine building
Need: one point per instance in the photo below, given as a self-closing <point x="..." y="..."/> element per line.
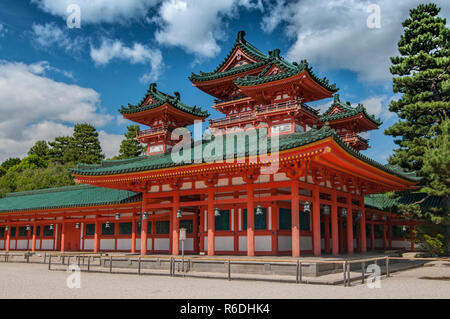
<point x="312" y="194"/>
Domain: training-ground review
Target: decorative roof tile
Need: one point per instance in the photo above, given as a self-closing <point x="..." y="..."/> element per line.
<point x="66" y="197"/>
<point x="384" y="202"/>
<point x="159" y="99"/>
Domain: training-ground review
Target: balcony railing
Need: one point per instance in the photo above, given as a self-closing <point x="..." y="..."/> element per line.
<point x="265" y="109"/>
<point x="349" y="138"/>
<point x="151" y="131"/>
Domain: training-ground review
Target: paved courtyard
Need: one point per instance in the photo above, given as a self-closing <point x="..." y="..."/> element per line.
<point x="35" y="281"/>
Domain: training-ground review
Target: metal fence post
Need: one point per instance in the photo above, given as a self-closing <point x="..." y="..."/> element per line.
<point x="89" y="263"/>
<point x="110" y="263"/>
<point x="297" y="272"/>
<point x="45" y="257"/>
<point x="300" y="272"/>
<point x="139" y="265"/>
<point x="229" y="269"/>
<point x="28" y="257"/>
<point x="363" y="270"/>
<point x="344" y="270"/>
<point x="387" y="267"/>
<point x="49" y="262"/>
<point x="348" y="275"/>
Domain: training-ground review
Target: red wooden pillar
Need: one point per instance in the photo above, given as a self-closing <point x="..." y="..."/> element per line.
<point x="133" y="234"/>
<point x="275" y="228"/>
<point x="63" y="228"/>
<point x="341" y="232"/>
<point x="250" y="219"/>
<point x="175" y="223"/>
<point x="202" y="229"/>
<point x="295" y="218"/>
<point x="317" y="242"/>
<point x="363" y="224"/>
<point x="334" y="224"/>
<point x="372" y="236"/>
<point x="33" y="240"/>
<point x="8" y="238"/>
<point x="96" y="237"/>
<point x="349" y="225"/>
<point x="144" y="226"/>
<point x="210" y="220"/>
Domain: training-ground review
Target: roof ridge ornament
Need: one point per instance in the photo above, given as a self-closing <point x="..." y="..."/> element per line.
<point x="240" y="36"/>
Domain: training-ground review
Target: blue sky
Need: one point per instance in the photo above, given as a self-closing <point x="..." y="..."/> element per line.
<point x="52" y="76"/>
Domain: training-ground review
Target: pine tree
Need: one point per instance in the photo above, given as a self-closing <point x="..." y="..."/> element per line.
<point x="41" y="149"/>
<point x="130" y="147"/>
<point x="422" y="76"/>
<point x="86" y="143"/>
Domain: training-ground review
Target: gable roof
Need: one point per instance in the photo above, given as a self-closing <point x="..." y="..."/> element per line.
<point x="286" y="142"/>
<point x="66" y="197"/>
<point x="159" y="98"/>
<point x="384" y="202"/>
<point x="347" y="111"/>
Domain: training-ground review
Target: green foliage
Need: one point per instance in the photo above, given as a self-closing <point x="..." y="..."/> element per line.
<point x="2" y="171"/>
<point x="10" y="162"/>
<point x="130" y="147"/>
<point x="433" y="237"/>
<point x="82" y="147"/>
<point x="36" y="178"/>
<point x="41" y="149"/>
<point x="30" y="162"/>
<point x="422" y="76"/>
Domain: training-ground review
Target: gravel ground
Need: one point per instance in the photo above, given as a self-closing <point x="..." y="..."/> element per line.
<point x="35" y="281"/>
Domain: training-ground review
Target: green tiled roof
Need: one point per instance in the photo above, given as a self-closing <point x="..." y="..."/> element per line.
<point x="385" y="203"/>
<point x="66" y="197"/>
<point x="247" y="48"/>
<point x="288" y="141"/>
<point x="291" y="70"/>
<point x="162" y="98"/>
<point x="348" y="111"/>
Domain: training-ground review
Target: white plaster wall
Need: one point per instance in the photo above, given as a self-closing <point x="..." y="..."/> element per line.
<point x="89" y="244"/>
<point x="305" y="243"/>
<point x="22" y="244"/>
<point x="237" y="181"/>
<point x="12" y="244"/>
<point x="280" y="177"/>
<point x="2" y="244"/>
<point x="284" y="243"/>
<point x="188" y="244"/>
<point x="242" y="243"/>
<point x="263" y="243"/>
<point x="123" y="244"/>
<point x="47" y="244"/>
<point x="107" y="244"/>
<point x="161" y="244"/>
<point x="138" y="243"/>
<point x="149" y="244"/>
<point x="224" y="243"/>
<point x="200" y="184"/>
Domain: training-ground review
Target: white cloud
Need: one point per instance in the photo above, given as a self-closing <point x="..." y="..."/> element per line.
<point x="138" y="53"/>
<point x="110" y="143"/>
<point x="99" y="11"/>
<point x="378" y="106"/>
<point x="197" y="26"/>
<point x="49" y="35"/>
<point x="334" y="33"/>
<point x="36" y="107"/>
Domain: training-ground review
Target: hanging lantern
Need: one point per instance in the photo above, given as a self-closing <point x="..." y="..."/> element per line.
<point x="77" y="225"/>
<point x="145" y="215"/>
<point x="307" y="207"/>
<point x="51" y="227"/>
<point x="404" y="228"/>
<point x="384" y="218"/>
<point x="216" y="212"/>
<point x="28" y="227"/>
<point x="259" y="210"/>
<point x="107" y="224"/>
<point x="326" y="210"/>
<point x="179" y="215"/>
<point x="6" y="227"/>
<point x="117" y="216"/>
<point x="344" y="212"/>
<point x="359" y="215"/>
<point x="374" y="217"/>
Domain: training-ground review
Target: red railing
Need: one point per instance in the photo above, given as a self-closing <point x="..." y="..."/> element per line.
<point x="152" y="131"/>
<point x="271" y="108"/>
<point x="354" y="136"/>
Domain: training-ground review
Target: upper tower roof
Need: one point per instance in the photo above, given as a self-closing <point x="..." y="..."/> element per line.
<point x="155" y="99"/>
